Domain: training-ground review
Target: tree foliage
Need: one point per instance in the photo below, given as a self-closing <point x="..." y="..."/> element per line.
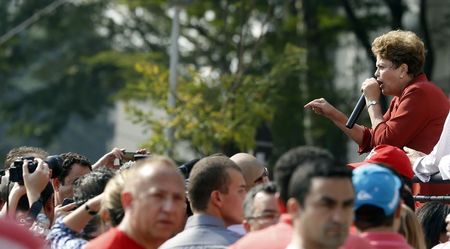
<point x="243" y="65"/>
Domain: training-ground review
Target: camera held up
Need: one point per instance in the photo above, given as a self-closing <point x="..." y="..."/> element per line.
<point x="15" y="172"/>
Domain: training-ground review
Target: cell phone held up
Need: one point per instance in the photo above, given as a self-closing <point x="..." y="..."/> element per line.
<point x="128" y="156"/>
<point x="132" y="156"/>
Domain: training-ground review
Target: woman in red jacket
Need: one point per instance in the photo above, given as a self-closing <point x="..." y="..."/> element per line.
<point x="418" y="110"/>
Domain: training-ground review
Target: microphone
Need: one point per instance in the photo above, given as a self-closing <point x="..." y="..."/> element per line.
<point x="356" y="112"/>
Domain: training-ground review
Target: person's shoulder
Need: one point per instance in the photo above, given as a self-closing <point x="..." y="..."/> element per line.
<point x="355" y="241"/>
<point x="274" y="237"/>
<point x="424" y="90"/>
<point x="445" y="245"/>
<point x="423" y="86"/>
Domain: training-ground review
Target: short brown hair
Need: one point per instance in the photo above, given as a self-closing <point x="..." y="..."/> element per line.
<point x="209" y="174"/>
<point x="401" y="47"/>
<point x="22" y="151"/>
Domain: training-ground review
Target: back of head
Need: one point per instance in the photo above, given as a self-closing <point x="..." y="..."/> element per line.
<point x="251" y="167"/>
<point x="401" y="47"/>
<point x="432" y="217"/>
<point x="377" y="192"/>
<point x="295" y="158"/>
<point x="300" y="182"/>
<point x="207" y="175"/>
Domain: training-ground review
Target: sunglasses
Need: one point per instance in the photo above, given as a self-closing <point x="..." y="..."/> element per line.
<point x="261" y="178"/>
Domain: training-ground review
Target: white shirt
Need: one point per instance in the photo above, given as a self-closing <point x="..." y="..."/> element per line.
<point x="438" y="160"/>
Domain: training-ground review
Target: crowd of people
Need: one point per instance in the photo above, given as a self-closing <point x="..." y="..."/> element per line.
<point x="306" y="201"/>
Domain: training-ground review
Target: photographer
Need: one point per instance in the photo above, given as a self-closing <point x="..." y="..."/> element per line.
<point x="13" y="154"/>
<point x="34" y="198"/>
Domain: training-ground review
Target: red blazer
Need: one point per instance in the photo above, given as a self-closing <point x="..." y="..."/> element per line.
<point x="415" y="119"/>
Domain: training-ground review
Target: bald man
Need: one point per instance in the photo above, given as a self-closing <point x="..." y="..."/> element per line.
<point x="253" y="170"/>
<point x="154" y="205"/>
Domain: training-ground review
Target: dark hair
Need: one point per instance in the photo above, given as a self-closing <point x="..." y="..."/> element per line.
<point x="269" y="188"/>
<point x="300" y="182"/>
<point x="207" y="175"/>
<point x="293" y="159"/>
<point x="369" y="216"/>
<point x="432" y="218"/>
<point x="71" y="158"/>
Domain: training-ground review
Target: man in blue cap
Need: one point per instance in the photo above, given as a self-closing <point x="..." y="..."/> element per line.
<point x="378" y="206"/>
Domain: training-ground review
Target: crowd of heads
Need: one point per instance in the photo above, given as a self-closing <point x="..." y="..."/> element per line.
<point x="148" y="199"/>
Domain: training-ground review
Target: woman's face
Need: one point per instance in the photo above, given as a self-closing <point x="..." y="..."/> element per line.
<point x="391" y="78"/>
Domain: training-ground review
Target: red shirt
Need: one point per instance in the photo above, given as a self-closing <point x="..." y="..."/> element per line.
<point x="386" y="240"/>
<point x="279" y="236"/>
<point x="113" y="239"/>
<point x="17" y="236"/>
<point x="414" y="119"/>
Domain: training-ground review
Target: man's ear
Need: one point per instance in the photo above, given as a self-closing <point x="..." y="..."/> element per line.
<point x="126" y="198"/>
<point x="216" y="198"/>
<point x="104" y="215"/>
<point x="246" y="225"/>
<point x="293" y="207"/>
<point x="281" y="204"/>
<point x="56" y="184"/>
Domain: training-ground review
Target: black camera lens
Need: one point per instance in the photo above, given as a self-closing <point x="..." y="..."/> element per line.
<point x="15" y="171"/>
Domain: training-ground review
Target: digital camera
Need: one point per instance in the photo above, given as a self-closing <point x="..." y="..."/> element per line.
<point x="15" y="171"/>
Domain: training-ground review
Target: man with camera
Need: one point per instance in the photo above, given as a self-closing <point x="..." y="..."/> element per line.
<point x="32" y="189"/>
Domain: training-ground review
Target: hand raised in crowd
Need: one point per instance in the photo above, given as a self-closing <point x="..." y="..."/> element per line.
<point x="35" y="182"/>
<point x="413" y="155"/>
<point x="108" y="159"/>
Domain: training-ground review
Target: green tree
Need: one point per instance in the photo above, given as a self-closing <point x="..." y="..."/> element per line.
<point x="45" y="79"/>
<point x="222" y="110"/>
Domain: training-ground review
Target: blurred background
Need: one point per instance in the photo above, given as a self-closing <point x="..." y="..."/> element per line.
<point x="190" y="78"/>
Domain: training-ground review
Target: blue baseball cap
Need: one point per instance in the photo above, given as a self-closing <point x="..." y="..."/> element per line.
<point x="377" y="186"/>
